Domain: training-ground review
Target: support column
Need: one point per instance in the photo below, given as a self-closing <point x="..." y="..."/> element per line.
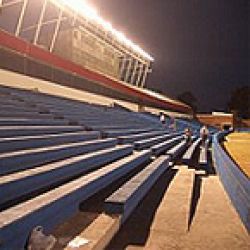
<point x="20" y="20"/>
<point x="122" y="66"/>
<point x="144" y="76"/>
<point x="39" y="25"/>
<point x="128" y="70"/>
<point x="139" y="75"/>
<point x="134" y="72"/>
<point x="74" y="19"/>
<point x="58" y="23"/>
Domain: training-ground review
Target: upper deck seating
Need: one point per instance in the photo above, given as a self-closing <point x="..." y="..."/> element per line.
<point x="34" y="108"/>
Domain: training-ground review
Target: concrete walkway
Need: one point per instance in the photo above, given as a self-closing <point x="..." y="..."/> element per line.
<point x="172" y="216"/>
<point x="215" y="224"/>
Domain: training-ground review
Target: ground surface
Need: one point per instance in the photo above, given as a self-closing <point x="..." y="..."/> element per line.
<point x="238" y="146"/>
<point x="215" y="224"/>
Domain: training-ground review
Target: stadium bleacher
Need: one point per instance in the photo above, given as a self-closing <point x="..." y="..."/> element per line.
<point x="187" y="157"/>
<point x="65" y="152"/>
<point x="127" y="197"/>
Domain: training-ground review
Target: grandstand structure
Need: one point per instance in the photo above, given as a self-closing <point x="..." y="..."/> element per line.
<point x="55" y="41"/>
<point x="79" y="173"/>
<point x="81" y="36"/>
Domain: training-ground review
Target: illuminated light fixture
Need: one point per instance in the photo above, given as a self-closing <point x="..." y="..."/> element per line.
<point x="106" y="25"/>
<point x="120" y="36"/>
<point x="82" y="8"/>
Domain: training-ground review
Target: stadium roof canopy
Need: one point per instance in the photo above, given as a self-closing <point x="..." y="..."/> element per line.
<point x="79" y="9"/>
<point x="31" y="18"/>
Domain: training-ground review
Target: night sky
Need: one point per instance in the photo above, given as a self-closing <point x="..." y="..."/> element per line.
<point x="198" y="45"/>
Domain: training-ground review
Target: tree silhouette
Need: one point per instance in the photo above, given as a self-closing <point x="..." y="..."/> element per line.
<point x="240" y="101"/>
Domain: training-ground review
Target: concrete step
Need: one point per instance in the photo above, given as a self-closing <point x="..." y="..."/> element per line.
<point x="5" y="91"/>
<point x="116" y="121"/>
<point x="78" y="113"/>
<point x="50" y="100"/>
<point x="21" y="108"/>
<point x="24" y="115"/>
<point x="97" y="235"/>
<point x="41" y="97"/>
<point x="127" y="197"/>
<point x="28" y="142"/>
<point x="177" y="150"/>
<point x="59" y="105"/>
<point x="74" y="112"/>
<point x="147" y="143"/>
<point x="19" y="185"/>
<point x="92" y="117"/>
<point x="166" y="145"/>
<point x="14" y="131"/>
<point x="172" y="216"/>
<point x="188" y="156"/>
<point x="25" y="159"/>
<point x="113" y="127"/>
<point x="9" y="101"/>
<point x="32" y="122"/>
<point x="54" y="207"/>
<point x="141" y="136"/>
<point x="122" y="132"/>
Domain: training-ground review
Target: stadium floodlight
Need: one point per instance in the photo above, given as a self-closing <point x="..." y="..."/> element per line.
<point x="82" y="8"/>
<point x="120" y="36"/>
<point x="106" y="25"/>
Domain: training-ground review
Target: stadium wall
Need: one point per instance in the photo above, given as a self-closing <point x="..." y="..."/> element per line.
<point x="235" y="182"/>
<point x="218" y="121"/>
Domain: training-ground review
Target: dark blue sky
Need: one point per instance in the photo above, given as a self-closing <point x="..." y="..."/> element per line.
<point x="198" y="45"/>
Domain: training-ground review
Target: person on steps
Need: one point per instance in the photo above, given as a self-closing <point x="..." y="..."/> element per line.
<point x="162" y="119"/>
<point x="204" y="135"/>
<point x="188" y="136"/>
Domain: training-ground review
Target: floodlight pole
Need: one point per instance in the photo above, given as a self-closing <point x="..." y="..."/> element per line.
<point x="39" y="25"/>
<point x="58" y="23"/>
<point x="20" y="20"/>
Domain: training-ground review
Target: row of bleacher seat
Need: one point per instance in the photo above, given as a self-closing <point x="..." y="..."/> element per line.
<point x="47" y="171"/>
<point x="35" y="105"/>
